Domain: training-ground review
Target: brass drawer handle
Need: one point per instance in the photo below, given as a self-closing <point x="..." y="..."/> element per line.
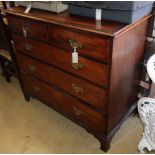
<point x="77" y="89"/>
<point x="25" y="30"/>
<point x="77" y="65"/>
<point x="32" y="68"/>
<point x="77" y="111"/>
<point x="29" y="47"/>
<point x="36" y="88"/>
<point x="75" y="44"/>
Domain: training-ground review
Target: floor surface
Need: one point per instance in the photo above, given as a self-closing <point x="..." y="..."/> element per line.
<point x="32" y="127"/>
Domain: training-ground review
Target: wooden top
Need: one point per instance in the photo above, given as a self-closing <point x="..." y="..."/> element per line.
<point x="108" y="28"/>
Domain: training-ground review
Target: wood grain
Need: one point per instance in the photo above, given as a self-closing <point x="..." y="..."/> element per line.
<point x="91" y="94"/>
<point x="63" y="59"/>
<point x="34" y="29"/>
<point x="71" y="106"/>
<point x="95" y="47"/>
<point x="128" y="52"/>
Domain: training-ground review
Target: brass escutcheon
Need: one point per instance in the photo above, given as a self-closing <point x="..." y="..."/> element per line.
<point x="77" y="88"/>
<point x="25" y="30"/>
<point x="77" y="65"/>
<point x="32" y="68"/>
<point x="75" y="44"/>
<point x="29" y="47"/>
<point x="77" y="111"/>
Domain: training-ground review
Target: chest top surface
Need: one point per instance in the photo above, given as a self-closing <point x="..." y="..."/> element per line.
<point x="108" y="28"/>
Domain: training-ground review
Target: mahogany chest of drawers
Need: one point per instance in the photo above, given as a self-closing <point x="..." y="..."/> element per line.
<point x="99" y="91"/>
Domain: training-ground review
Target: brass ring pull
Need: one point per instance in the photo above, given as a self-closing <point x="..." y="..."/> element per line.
<point x="32" y="68"/>
<point x="77" y="111"/>
<point x="75" y="44"/>
<point x="36" y="88"/>
<point x="77" y="89"/>
<point x="25" y="31"/>
<point x="77" y="65"/>
<point x="29" y="47"/>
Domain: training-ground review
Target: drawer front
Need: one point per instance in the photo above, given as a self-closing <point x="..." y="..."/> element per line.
<point x="72" y="107"/>
<point x="28" y="28"/>
<point x="90" y="70"/>
<point x="75" y="86"/>
<point x="88" y="45"/>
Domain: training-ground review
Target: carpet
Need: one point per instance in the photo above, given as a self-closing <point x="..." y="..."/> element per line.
<point x="32" y="127"/>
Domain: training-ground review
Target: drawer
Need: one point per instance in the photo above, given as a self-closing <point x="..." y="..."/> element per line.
<point x="68" y="105"/>
<point x="28" y="28"/>
<point x="62" y="59"/>
<point x="89" y="45"/>
<point x="82" y="89"/>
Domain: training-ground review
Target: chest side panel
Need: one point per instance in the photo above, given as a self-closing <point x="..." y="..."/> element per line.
<point x="128" y="51"/>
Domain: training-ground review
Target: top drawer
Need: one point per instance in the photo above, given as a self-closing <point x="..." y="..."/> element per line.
<point x="28" y="28"/>
<point x="89" y="45"/>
